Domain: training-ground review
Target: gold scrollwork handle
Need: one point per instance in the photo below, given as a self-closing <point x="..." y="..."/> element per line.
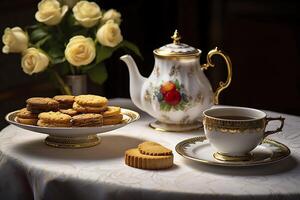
<point x="209" y="63"/>
<point x="268" y="119"/>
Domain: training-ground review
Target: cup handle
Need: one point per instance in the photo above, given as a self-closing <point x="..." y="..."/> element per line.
<point x="209" y="63"/>
<point x="268" y="119"/>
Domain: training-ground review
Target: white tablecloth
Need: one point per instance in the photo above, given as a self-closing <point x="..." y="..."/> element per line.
<point x="31" y="170"/>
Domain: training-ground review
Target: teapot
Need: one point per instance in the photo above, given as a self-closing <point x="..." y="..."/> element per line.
<point x="177" y="91"/>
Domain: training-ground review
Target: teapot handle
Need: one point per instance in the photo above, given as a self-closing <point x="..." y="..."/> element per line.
<point x="209" y="63"/>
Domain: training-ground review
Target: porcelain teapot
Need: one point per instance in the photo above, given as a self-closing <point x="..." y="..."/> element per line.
<point x="177" y="91"/>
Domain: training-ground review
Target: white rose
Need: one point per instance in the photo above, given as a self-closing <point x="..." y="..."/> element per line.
<point x="50" y="13"/>
<point x="34" y="61"/>
<point x="80" y="51"/>
<point x="87" y="13"/>
<point x="15" y="40"/>
<point x="109" y="34"/>
<point x="111" y="14"/>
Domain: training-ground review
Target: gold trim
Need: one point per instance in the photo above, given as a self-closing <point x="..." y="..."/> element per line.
<point x="222" y="157"/>
<point x="234" y="126"/>
<point x="209" y="63"/>
<point x="276" y="156"/>
<point x="72" y="142"/>
<point x="176" y="56"/>
<point x="164" y="127"/>
<point x="130" y="113"/>
<point x="176" y="37"/>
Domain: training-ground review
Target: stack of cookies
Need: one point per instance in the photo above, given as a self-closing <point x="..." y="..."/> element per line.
<point x="36" y="105"/>
<point x="112" y="115"/>
<point x="149" y="155"/>
<point x="68" y="110"/>
<point x="26" y="117"/>
<point x="90" y="104"/>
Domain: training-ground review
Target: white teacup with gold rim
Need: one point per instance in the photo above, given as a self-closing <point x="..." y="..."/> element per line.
<point x="235" y="131"/>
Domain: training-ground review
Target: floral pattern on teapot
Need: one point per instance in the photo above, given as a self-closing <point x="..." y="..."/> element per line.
<point x="171" y="95"/>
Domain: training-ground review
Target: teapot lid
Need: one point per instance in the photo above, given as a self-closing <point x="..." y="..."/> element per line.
<point x="177" y="49"/>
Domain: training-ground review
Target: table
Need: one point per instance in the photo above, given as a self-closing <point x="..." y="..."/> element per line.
<point x="31" y="170"/>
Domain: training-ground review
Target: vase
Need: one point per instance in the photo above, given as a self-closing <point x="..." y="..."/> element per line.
<point x="77" y="84"/>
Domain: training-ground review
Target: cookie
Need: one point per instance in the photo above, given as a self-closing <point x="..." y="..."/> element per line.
<point x="88" y="109"/>
<point x="90" y="119"/>
<point x="111" y="111"/>
<point x="69" y="111"/>
<point x="43" y="123"/>
<point x="116" y="119"/>
<point x="91" y="100"/>
<point x="26" y="114"/>
<point x="26" y="121"/>
<point x="65" y="101"/>
<point x="134" y="158"/>
<point x="55" y="118"/>
<point x="41" y="104"/>
<point x="154" y="149"/>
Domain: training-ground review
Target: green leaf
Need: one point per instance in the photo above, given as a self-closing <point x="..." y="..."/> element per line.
<point x="168" y="107"/>
<point x="177" y="84"/>
<point x="181" y="107"/>
<point x="98" y="74"/>
<point x="103" y="52"/>
<point x="56" y="55"/>
<point x="165" y="107"/>
<point x="57" y="60"/>
<point x="42" y="41"/>
<point x="56" y="52"/>
<point x="87" y="68"/>
<point x="131" y="47"/>
<point x="38" y="34"/>
<point x="162" y="106"/>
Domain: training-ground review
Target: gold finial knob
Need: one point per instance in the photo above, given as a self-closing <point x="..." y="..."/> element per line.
<point x="176" y="37"/>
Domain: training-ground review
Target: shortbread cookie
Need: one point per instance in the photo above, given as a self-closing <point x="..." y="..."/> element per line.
<point x="111" y="111"/>
<point x="69" y="111"/>
<point x="24" y="116"/>
<point x="154" y="149"/>
<point x="90" y="119"/>
<point x="43" y="123"/>
<point x="134" y="158"/>
<point x="41" y="104"/>
<point x="57" y="117"/>
<point x="26" y="121"/>
<point x="88" y="109"/>
<point x="91" y="100"/>
<point x="116" y="119"/>
<point x="65" y="101"/>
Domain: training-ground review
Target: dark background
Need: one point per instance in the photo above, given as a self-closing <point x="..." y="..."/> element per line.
<point x="262" y="38"/>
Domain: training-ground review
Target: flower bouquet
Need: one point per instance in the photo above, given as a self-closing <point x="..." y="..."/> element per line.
<point x="68" y="40"/>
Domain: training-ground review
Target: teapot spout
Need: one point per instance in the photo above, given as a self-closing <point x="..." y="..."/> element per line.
<point x="136" y="80"/>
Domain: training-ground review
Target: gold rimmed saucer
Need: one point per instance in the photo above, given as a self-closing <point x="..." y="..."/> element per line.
<point x="199" y="149"/>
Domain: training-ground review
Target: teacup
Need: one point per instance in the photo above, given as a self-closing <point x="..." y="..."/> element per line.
<point x="235" y="131"/>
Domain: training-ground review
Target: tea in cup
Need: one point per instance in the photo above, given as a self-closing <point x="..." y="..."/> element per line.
<point x="235" y="131"/>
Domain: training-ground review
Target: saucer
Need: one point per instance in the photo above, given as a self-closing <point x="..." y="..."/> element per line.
<point x="199" y="149"/>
